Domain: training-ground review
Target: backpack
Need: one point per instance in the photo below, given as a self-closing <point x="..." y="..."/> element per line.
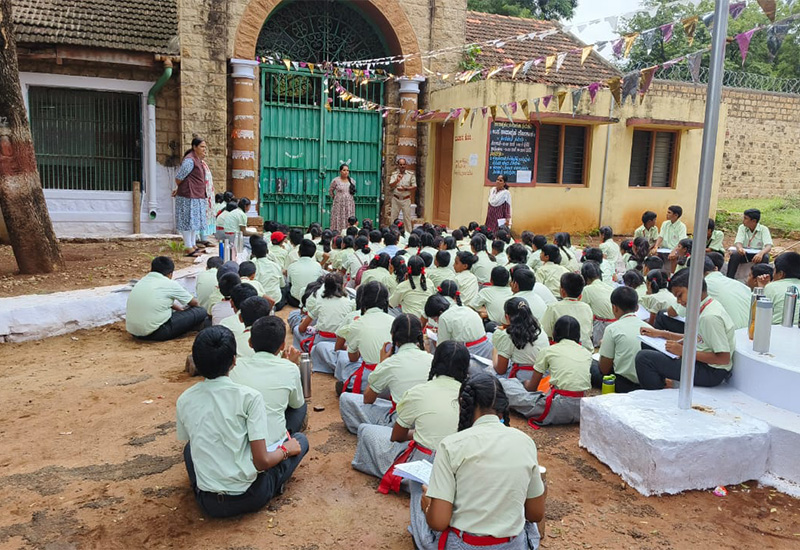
<point x="360" y="272"/>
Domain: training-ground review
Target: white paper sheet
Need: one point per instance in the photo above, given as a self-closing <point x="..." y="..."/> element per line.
<point x="418" y="470"/>
<point x="501" y="222"/>
<point x="659" y="344"/>
<point x="748" y="250"/>
<point x="664" y="250"/>
<point x="433" y="336"/>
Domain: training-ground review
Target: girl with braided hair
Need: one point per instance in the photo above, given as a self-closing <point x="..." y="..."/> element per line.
<point x="490" y="300"/>
<point x="518" y="342"/>
<point x="597" y="293"/>
<point x="404" y="363"/>
<point x="330" y="357"/>
<point x="426" y="414"/>
<point x="457" y="322"/>
<point x="467" y="281"/>
<point x="410" y="295"/>
<point x="658" y="297"/>
<point x="453" y="513"/>
<point x="379" y="271"/>
<point x="327" y="308"/>
<point x="398" y="268"/>
<point x="482" y="268"/>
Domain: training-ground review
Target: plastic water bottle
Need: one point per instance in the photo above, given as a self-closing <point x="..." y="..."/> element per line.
<point x="609" y="384"/>
<point x="763" y="325"/>
<point x="222" y="250"/>
<point x="789" y="306"/>
<point x="305" y="374"/>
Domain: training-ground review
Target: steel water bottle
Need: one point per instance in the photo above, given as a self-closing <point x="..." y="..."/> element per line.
<point x="763" y="325"/>
<point x="305" y="374"/>
<point x="789" y="306"/>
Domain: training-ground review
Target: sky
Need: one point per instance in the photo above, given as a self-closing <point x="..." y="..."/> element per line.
<point x="589" y="10"/>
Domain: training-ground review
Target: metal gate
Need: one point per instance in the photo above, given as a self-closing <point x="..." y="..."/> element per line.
<point x="303" y="144"/>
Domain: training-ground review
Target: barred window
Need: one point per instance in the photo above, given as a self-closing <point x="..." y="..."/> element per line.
<point x="561" y="154"/>
<point x="653" y="156"/>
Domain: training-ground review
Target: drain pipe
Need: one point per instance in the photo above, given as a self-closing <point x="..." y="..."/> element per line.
<point x="605" y="164"/>
<point x="152" y="201"/>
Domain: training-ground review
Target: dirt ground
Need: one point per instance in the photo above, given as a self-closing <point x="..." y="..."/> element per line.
<point x="90" y="460"/>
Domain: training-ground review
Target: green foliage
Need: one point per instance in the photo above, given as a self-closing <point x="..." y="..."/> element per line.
<point x="469" y="60"/>
<point x="781" y="215"/>
<point x="534" y="9"/>
<point x="785" y="65"/>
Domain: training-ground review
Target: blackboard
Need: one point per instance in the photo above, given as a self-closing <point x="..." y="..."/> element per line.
<point x="511" y="152"/>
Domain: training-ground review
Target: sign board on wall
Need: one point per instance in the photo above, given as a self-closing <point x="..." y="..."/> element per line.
<point x="511" y="147"/>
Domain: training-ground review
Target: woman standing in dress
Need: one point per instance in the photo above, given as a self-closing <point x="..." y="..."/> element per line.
<point x="191" y="197"/>
<point x="342" y="191"/>
<point x="499" y="204"/>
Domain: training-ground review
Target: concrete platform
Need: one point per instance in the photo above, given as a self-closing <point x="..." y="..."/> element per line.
<point x="727" y="438"/>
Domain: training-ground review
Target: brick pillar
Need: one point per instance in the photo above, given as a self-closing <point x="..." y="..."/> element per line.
<point x="243" y="153"/>
<point x="407" y="132"/>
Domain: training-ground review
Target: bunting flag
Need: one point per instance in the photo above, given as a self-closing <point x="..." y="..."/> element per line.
<point x="517" y="67"/>
<point x="311" y="67"/>
<point x="649" y="40"/>
<point x="450" y="115"/>
<point x="689" y="27"/>
<point x="694" y="65"/>
<point x="736" y="9"/>
<point x="560" y="60"/>
<point x="615" y="86"/>
<point x="513" y="107"/>
<point x="666" y="32"/>
<point x="708" y="20"/>
<point x="536" y="106"/>
<point x="629" y="39"/>
<point x="493" y="110"/>
<point x="472" y="118"/>
<point x="561" y="97"/>
<point x="493" y="72"/>
<point x="576" y="100"/>
<point x="646" y="80"/>
<point x="630" y="86"/>
<point x="768" y="7"/>
<point x="546" y="100"/>
<point x="466" y="114"/>
<point x="504" y="106"/>
<point x="593" y="88"/>
<point x="548" y="63"/>
<point x="483" y="111"/>
<point x="744" y="42"/>
<point x="288" y="64"/>
<point x="585" y="53"/>
<point x="775" y="36"/>
<point x="617" y="47"/>
<point x="524" y="106"/>
<point x="526" y="67"/>
<point x="612" y="20"/>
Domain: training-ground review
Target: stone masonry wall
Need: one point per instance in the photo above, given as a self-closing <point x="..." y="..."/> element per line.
<point x="761" y="158"/>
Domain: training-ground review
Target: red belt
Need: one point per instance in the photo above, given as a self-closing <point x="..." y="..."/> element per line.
<point x="220" y="228"/>
<point x="390" y="481"/>
<point x="358" y="376"/>
<point x="307" y="344"/>
<point x="533" y="422"/>
<point x="596" y="318"/>
<point x="474" y="540"/>
<point x="478" y="341"/>
<point x="515" y="368"/>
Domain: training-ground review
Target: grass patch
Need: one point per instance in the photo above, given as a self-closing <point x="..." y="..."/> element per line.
<point x="781" y="215"/>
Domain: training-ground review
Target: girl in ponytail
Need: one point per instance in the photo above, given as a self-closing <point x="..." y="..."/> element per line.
<point x="398" y="268"/>
<point x="482" y="268"/>
<point x="658" y="297"/>
<point x="379" y="271"/>
<point x="410" y="295"/>
<point x="326" y="312"/>
<point x="360" y="257"/>
<point x="483" y="394"/>
<point x="519" y="344"/>
<point x="467" y="281"/>
<point x="462" y="324"/>
<point x="449" y="289"/>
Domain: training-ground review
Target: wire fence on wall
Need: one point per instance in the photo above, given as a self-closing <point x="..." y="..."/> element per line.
<point x="734" y="79"/>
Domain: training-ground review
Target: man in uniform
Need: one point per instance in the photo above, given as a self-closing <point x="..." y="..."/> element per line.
<point x="403" y="186"/>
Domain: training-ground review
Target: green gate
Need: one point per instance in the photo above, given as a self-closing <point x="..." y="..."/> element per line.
<point x="303" y="143"/>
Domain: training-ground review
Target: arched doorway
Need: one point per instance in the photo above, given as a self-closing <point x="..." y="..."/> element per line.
<point x="307" y="131"/>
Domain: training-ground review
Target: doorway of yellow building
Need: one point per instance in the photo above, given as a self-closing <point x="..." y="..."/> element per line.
<point x="443" y="173"/>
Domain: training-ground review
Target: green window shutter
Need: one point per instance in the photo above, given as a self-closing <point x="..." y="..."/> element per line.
<point x="640" y="158"/>
<point x="662" y="159"/>
<point x="574" y="154"/>
<point x="547" y="162"/>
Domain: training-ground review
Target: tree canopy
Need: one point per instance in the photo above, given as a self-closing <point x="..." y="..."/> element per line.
<point x="535" y="9"/>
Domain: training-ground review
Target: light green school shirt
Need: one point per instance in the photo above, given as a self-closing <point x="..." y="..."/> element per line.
<point x="233" y="323"/>
<point x="550" y="276"/>
<point x="269" y="274"/>
<point x="382" y="275"/>
<point x="344" y="329"/>
<point x="598" y="296"/>
<point x="431" y="409"/>
<point x="494" y="299"/>
<point x="526" y="356"/>
<point x="715" y="242"/>
<point x="460" y="324"/>
<point x="758" y="238"/>
<point x="353" y="262"/>
<point x="663" y="299"/>
<point x="205" y="286"/>
<point x="278" y="382"/>
<point x="278" y="255"/>
<point x="243" y="348"/>
<point x="409" y="366"/>
<point x="488" y="450"/>
<point x="537" y="305"/>
<point x="305" y="270"/>
<point x="501" y="259"/>
<point x="607" y="269"/>
<point x="234" y="221"/>
<point x="330" y="313"/>
<point x="468" y="286"/>
<point x="544" y="293"/>
<point x="221" y="219"/>
<point x="610" y="251"/>
<point x="215" y="411"/>
<point x="482" y="269"/>
<point x="569" y="365"/>
<point x="715" y="331"/>
<point x="672" y="233"/>
<point x="732" y="294"/>
<point x="574" y="308"/>
<point x="292" y="256"/>
<point x="430" y="250"/>
<point x="150" y="303"/>
<point x="369" y="333"/>
<point x="569" y="259"/>
<point x="621" y="343"/>
<point x="437" y="275"/>
<point x="641" y="291"/>
<point x="255" y="284"/>
<point x="534" y="259"/>
<point x="650" y="234"/>
<point x="333" y="256"/>
<point x="412" y="300"/>
<point x="776" y="291"/>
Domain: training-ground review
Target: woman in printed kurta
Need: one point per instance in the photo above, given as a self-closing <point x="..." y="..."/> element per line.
<point x="499" y="205"/>
<point x="342" y="190"/>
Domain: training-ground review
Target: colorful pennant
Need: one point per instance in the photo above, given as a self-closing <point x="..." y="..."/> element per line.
<point x="689" y="27"/>
<point x="743" y="40"/>
<point x="769" y="8"/>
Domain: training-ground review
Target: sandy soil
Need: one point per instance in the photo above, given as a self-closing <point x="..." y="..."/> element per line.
<point x="88" y="461"/>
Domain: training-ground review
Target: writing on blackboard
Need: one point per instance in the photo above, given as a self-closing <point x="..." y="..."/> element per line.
<point x="511" y="151"/>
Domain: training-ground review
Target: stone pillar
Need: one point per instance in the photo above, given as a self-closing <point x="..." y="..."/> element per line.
<point x="243" y="153"/>
<point x="407" y="132"/>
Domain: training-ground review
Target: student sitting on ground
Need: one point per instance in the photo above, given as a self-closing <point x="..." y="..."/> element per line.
<point x="534" y="244"/>
<point x="597" y="295"/>
<point x="240" y="476"/>
<point x="222" y="221"/>
<point x="594" y="254"/>
<point x="608" y="246"/>
<point x="482" y="268"/>
<point x="268" y="273"/>
<point x="651" y="263"/>
<point x="732" y="294"/>
<point x="355" y="260"/>
<point x="442" y="269"/>
<point x="517" y="254"/>
<point x="753" y="236"/>
<point x="457" y="322"/>
<point x="683" y="252"/>
<point x="224" y="308"/>
<point x="756" y="272"/>
<point x="253" y="309"/>
<point x="715" y="344"/>
<point x="550" y="273"/>
<point x="658" y="299"/>
<point x="570" y="258"/>
<point x="379" y="271"/>
<point x="571" y="289"/>
<point x="498" y="248"/>
<point x="714" y="239"/>
<point x="326" y="311"/>
<point x="302" y="272"/>
<point x="426" y="414"/>
<point x="648" y="228"/>
<point x="467" y="282"/>
<point x="206" y="286"/>
<point x="524" y="285"/>
<point x="411" y="294"/>
<point x="247" y="273"/>
<point x="673" y="230"/>
<point x="295" y="238"/>
<point x="404" y="364"/>
<point x="151" y="313"/>
<point x="787" y="273"/>
<point x="518" y="342"/>
<point x="635" y="280"/>
<point x="452" y="513"/>
<point x="277" y="252"/>
<point x="239" y="294"/>
<point x="490" y="300"/>
<point x="568" y="364"/>
<point x="621" y="343"/>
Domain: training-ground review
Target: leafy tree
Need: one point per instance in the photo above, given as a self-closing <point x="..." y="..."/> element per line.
<point x="535" y="9"/>
<point x="785" y="65"/>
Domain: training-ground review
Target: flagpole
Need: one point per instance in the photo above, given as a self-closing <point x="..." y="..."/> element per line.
<point x="706" y="180"/>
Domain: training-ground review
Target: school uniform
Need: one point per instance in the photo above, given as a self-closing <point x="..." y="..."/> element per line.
<point x="326" y="359"/>
<point x="352" y="263"/>
<point x="494" y="299"/>
<point x="234" y="222"/>
<point x="270" y="276"/>
<point x="574" y="308"/>
<point x="464" y="245"/>
<point x="672" y="233"/>
<point x="486" y="450"/>
<point x="430" y="250"/>
<point x="550" y="276"/>
<point x="501" y="259"/>
<point x="569" y="259"/>
<point x="437" y="275"/>
<point x="462" y="324"/>
<point x="756" y="239"/>
<point x="327" y="315"/>
<point x="256" y="285"/>
<point x="243" y="348"/>
<point x="304" y="271"/>
<point x="520" y="361"/>
<point x="367" y="336"/>
<point x="715" y="241"/>
<point x="382" y="275"/>
<point x="431" y="410"/>
<point x="535" y="302"/>
<point x="650" y="234"/>
<point x="534" y="259"/>
<point x="221" y="310"/>
<point x="406" y="368"/>
<point x="223" y="477"/>
<point x="734" y="297"/>
<point x="292" y="256"/>
<point x="278" y="255"/>
<point x="621" y="343"/>
<point x="411" y="300"/>
<point x="715" y="332"/>
<point x="233" y="323"/>
<point x="390" y="250"/>
<point x="219" y="232"/>
<point x="467" y="285"/>
<point x="661" y="300"/>
<point x="776" y="291"/>
<point x="482" y="269"/>
<point x="641" y="291"/>
<point x="608" y="270"/>
<point x="206" y="288"/>
<point x="610" y="251"/>
<point x="598" y="296"/>
<point x="149" y="314"/>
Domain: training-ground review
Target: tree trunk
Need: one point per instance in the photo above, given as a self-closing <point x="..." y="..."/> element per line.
<point x="21" y="197"/>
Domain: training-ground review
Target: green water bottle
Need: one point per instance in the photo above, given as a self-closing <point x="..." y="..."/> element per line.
<point x="609" y="384"/>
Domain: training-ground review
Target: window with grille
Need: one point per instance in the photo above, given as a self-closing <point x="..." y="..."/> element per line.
<point x="561" y="154"/>
<point x="653" y="157"/>
<point x="85" y="139"/>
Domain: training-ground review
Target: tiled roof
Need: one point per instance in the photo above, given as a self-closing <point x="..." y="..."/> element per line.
<point x="137" y="25"/>
<point x="487" y="26"/>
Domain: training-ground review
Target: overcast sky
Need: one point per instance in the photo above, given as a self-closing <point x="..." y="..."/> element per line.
<point x="589" y="10"/>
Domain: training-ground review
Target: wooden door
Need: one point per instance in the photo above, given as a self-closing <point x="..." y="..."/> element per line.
<point x="443" y="173"/>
